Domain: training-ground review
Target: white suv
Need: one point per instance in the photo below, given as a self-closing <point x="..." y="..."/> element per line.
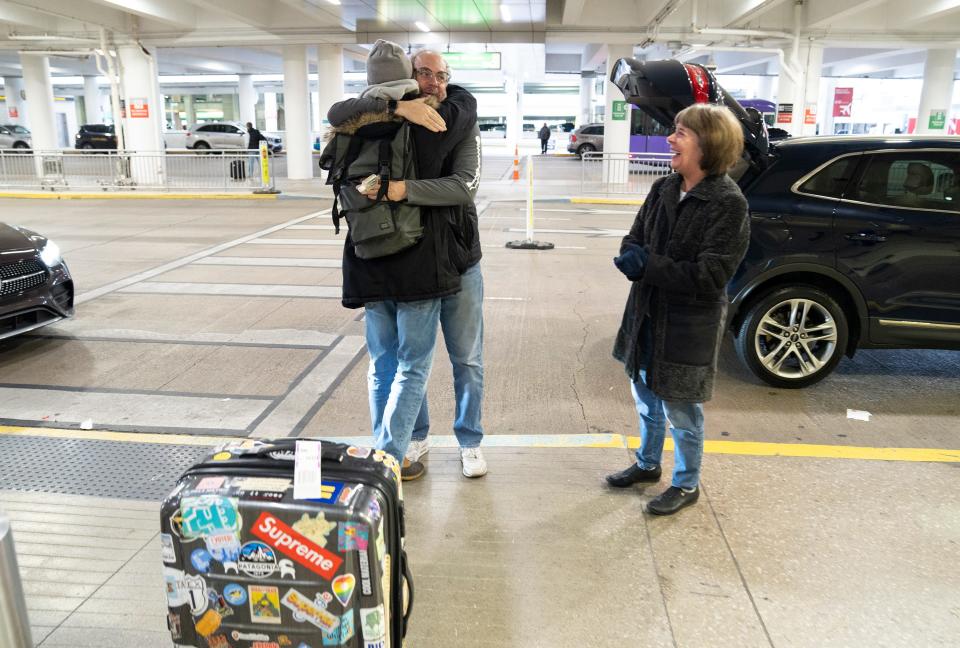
<point x="217" y="135"/>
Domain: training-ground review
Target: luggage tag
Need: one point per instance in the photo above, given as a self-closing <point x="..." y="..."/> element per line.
<point x="306" y="471"/>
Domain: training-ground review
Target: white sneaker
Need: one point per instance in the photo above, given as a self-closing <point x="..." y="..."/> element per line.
<point x="474" y="465"/>
<point x="417" y="449"/>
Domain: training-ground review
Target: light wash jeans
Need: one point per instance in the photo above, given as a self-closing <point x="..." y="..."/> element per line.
<point x="400" y="341"/>
<point x="461" y="317"/>
<point x="253" y="164"/>
<point x="686" y="426"/>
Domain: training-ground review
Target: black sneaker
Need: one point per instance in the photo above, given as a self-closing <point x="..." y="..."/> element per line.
<point x="411" y="470"/>
<point x="632" y="475"/>
<point x="672" y="500"/>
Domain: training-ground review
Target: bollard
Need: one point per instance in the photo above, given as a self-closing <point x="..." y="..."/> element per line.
<point x="14" y="624"/>
<point x="528" y="243"/>
<point x="266" y="179"/>
<point x="516" y="161"/>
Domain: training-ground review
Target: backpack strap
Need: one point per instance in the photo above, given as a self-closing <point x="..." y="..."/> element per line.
<point x="338" y="175"/>
<point x="383" y="167"/>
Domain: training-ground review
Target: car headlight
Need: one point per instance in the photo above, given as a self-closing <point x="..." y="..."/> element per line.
<point x="50" y="254"/>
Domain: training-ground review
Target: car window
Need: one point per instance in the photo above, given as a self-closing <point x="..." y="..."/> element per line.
<point x="924" y="180"/>
<point x="207" y="129"/>
<point x="4" y="131"/>
<point x="832" y="179"/>
<point x="235" y="131"/>
<point x="643" y="124"/>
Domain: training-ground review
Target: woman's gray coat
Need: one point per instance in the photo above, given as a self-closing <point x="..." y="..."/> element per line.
<point x="693" y="250"/>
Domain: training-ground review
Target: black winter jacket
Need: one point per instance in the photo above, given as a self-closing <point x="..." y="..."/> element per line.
<point x="431" y="268"/>
<point x="693" y="250"/>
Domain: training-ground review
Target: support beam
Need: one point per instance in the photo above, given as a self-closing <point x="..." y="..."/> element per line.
<point x="921" y="12"/>
<point x="738" y="12"/>
<point x="20" y="16"/>
<point x="821" y="15"/>
<point x="572" y="10"/>
<point x="172" y="12"/>
<point x="81" y="11"/>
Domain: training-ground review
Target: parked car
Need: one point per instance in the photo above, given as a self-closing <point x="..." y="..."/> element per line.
<point x="854" y="243"/>
<point x="96" y="136"/>
<point x="36" y="288"/>
<point x="586" y="139"/>
<point x="224" y="135"/>
<point x="15" y="136"/>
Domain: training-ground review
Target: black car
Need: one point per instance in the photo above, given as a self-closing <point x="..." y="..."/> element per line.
<point x="96" y="136"/>
<point x="36" y="288"/>
<point x="855" y="241"/>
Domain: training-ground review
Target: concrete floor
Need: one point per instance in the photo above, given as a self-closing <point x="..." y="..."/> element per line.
<point x="782" y="551"/>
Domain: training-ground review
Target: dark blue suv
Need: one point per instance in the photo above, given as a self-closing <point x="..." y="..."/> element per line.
<point x="855" y="241"/>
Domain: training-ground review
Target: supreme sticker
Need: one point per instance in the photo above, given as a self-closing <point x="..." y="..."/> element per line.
<point x="294" y="545"/>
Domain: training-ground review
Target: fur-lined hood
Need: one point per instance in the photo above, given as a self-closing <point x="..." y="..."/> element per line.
<point x="351" y="126"/>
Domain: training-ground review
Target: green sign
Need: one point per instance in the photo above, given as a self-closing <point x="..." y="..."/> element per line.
<point x="472" y="60"/>
<point x="938" y="120"/>
<point x="619" y="112"/>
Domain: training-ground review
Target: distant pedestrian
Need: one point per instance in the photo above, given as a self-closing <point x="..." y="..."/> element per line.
<point x="544" y="138"/>
<point x="253" y="144"/>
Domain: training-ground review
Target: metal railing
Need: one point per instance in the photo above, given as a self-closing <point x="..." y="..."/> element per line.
<point x="14" y="624"/>
<point x="227" y="171"/>
<point x="622" y="173"/>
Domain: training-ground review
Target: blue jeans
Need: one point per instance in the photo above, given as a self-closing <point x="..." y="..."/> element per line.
<point x="461" y="317"/>
<point x="253" y="164"/>
<point x="400" y="341"/>
<point x="686" y="426"/>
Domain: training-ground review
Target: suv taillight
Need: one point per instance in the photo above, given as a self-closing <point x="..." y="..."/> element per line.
<point x="573" y="138"/>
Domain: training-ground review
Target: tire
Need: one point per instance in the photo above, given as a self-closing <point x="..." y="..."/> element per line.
<point x="782" y="352"/>
<point x="21" y="146"/>
<point x="201" y="146"/>
<point x="87" y="146"/>
<point x="585" y="148"/>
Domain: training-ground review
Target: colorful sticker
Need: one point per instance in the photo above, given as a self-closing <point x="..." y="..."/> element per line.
<point x="341" y="635"/>
<point x="359" y="452"/>
<point x="294" y="545"/>
<point x="208" y="623"/>
<point x="225" y="549"/>
<point x="200" y="559"/>
<point x="271" y="489"/>
<point x="346" y="495"/>
<point x="257" y="559"/>
<point x="207" y="515"/>
<point x="329" y="491"/>
<point x="235" y="594"/>
<point x="343" y="588"/>
<point x="167" y="551"/>
<point x="371" y="623"/>
<point x="365" y="574"/>
<point x="264" y="644"/>
<point x="218" y="641"/>
<point x="176" y="590"/>
<point x="196" y="588"/>
<point x="219" y="603"/>
<point x="306" y="610"/>
<point x="173" y="625"/>
<point x="210" y="483"/>
<point x="249" y="636"/>
<point x="287" y="569"/>
<point x="316" y="528"/>
<point x="381" y="542"/>
<point x="264" y="604"/>
<point x="353" y="536"/>
<point x="221" y="456"/>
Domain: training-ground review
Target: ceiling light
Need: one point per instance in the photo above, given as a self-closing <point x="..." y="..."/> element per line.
<point x="49" y="37"/>
<point x="505" y="13"/>
<point x="421" y="26"/>
<point x="334" y="2"/>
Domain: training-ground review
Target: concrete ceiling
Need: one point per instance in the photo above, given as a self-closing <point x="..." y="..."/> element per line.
<point x="886" y="38"/>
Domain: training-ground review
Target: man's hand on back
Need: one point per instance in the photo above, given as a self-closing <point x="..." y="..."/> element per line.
<point x="396" y="190"/>
<point x="417" y="112"/>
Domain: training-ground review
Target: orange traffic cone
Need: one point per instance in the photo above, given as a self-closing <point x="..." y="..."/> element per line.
<point x="516" y="162"/>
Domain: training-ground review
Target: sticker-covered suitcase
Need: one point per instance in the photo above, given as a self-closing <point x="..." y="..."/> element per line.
<point x="248" y="566"/>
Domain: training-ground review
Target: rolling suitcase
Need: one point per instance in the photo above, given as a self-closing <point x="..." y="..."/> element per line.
<point x="248" y="566"/>
<point x="237" y="170"/>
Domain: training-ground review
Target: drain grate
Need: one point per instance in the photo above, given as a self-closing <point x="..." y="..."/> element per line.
<point x="146" y="471"/>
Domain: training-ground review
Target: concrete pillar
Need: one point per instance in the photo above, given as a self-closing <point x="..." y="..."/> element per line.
<point x="514" y="91"/>
<point x="587" y="79"/>
<point x="270" y="110"/>
<point x="937" y="92"/>
<point x="16" y="105"/>
<point x="190" y="110"/>
<point x="36" y="77"/>
<point x="248" y="100"/>
<point x="91" y="100"/>
<point x="802" y="92"/>
<point x="329" y="80"/>
<point x="616" y="132"/>
<point x="143" y="124"/>
<point x="296" y="110"/>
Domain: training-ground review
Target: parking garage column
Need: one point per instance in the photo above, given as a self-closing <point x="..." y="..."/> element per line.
<point x="329" y="80"/>
<point x="587" y="79"/>
<point x="91" y="100"/>
<point x="248" y="100"/>
<point x="16" y="106"/>
<point x="296" y="110"/>
<point x="143" y="121"/>
<point x="39" y="92"/>
<point x="798" y="91"/>
<point x="616" y="121"/>
<point x="937" y="92"/>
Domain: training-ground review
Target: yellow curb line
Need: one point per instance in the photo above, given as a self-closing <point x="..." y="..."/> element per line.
<point x="135" y="196"/>
<point x="606" y="201"/>
<point x="609" y="441"/>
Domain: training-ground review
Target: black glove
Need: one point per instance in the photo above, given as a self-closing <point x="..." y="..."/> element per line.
<point x="632" y="261"/>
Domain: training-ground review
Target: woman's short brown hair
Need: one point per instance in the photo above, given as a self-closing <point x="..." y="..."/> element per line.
<point x="720" y="135"/>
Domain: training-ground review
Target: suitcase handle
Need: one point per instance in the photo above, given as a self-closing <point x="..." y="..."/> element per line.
<point x="329" y="451"/>
<point x="408" y="577"/>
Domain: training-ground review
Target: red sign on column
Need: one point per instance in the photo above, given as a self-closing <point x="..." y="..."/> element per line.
<point x="842" y="102"/>
<point x="13" y="112"/>
<point x="139" y="109"/>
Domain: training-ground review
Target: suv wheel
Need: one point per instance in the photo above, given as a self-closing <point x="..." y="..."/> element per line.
<point x="585" y="148"/>
<point x="86" y="146"/>
<point x="201" y="146"/>
<point x="20" y="145"/>
<point x="793" y="337"/>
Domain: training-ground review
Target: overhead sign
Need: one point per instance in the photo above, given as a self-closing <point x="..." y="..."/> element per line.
<point x="619" y="111"/>
<point x="842" y="102"/>
<point x="938" y="119"/>
<point x="472" y="60"/>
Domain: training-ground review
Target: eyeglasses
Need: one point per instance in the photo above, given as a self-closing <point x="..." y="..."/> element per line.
<point x="428" y="74"/>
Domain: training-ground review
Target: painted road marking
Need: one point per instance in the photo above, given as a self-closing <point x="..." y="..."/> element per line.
<point x="294" y="241"/>
<point x="179" y="263"/>
<point x="546" y="441"/>
<point x="592" y="232"/>
<point x="78" y="329"/>
<point x="279" y="262"/>
<point x="246" y="290"/>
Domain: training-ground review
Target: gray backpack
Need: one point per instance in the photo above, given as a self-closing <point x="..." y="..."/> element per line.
<point x="378" y="227"/>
